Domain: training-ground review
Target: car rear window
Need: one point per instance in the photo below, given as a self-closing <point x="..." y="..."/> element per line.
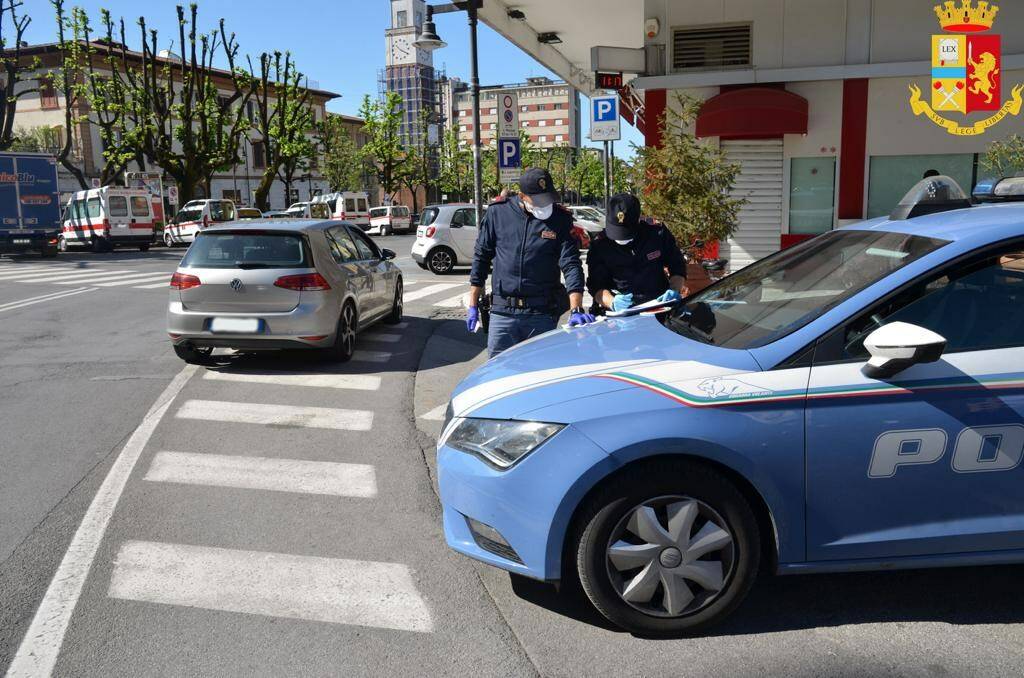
<point x="221" y="210"/>
<point x="140" y="206"/>
<point x="118" y="205"/>
<point x="429" y="216"/>
<point x="378" y="212"/>
<point x="247" y="249"/>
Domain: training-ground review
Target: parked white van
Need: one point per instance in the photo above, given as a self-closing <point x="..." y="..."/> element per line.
<point x="309" y="210"/>
<point x="194" y="217"/>
<point x="390" y="219"/>
<point x="350" y="206"/>
<point x="103" y="218"/>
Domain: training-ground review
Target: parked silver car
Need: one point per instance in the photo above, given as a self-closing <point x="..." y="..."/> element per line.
<point x="281" y="285"/>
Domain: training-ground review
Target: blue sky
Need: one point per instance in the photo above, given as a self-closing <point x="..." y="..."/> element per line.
<point x="337" y="43"/>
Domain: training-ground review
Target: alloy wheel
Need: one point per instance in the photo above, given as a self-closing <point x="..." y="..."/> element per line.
<point x="62" y="244"/>
<point x="441" y="261"/>
<point x="168" y="240"/>
<point x="347" y="329"/>
<point x="670" y="556"/>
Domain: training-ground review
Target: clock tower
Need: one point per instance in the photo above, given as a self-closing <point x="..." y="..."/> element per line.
<point x="409" y="71"/>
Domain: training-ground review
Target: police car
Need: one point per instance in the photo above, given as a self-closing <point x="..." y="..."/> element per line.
<point x="855" y="402"/>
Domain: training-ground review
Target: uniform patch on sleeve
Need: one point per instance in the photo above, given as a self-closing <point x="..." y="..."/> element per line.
<point x="653" y="255"/>
<point x="548" y="234"/>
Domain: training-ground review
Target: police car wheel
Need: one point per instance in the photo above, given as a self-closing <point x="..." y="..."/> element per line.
<point x="395" y="316"/>
<point x="667" y="549"/>
<point x="441" y="261"/>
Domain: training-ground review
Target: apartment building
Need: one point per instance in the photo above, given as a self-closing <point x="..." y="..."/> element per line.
<point x="46" y="109"/>
<point x="549" y="112"/>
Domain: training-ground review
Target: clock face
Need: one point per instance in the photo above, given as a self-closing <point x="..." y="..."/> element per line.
<point x="401" y="49"/>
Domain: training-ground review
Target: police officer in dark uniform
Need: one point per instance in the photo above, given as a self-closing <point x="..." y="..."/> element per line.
<point x="628" y="260"/>
<point x="527" y="239"/>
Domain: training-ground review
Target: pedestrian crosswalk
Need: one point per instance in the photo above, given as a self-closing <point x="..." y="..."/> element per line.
<point x="92" y="276"/>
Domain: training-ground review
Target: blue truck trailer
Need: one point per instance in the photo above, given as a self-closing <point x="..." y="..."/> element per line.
<point x="29" y="203"/>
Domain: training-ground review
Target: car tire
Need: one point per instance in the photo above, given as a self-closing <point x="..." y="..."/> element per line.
<point x="101" y="245"/>
<point x="679" y="585"/>
<point x="168" y="239"/>
<point x="193" y="355"/>
<point x="441" y="261"/>
<point x="422" y="264"/>
<point x="344" y="336"/>
<point x="397" y="306"/>
<point x="62" y="244"/>
<point x="144" y="248"/>
<point x="385" y="230"/>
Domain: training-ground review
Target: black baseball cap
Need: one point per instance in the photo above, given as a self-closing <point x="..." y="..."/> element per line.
<point x="537" y="184"/>
<point x="623" y="217"/>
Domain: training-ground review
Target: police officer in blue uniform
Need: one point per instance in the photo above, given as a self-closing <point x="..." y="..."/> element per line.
<point x="527" y="240"/>
<point x="627" y="262"/>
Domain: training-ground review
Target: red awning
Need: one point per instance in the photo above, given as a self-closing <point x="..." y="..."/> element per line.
<point x="753" y="113"/>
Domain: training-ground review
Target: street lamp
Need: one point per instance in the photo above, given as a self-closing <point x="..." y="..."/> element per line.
<point x="429" y="40"/>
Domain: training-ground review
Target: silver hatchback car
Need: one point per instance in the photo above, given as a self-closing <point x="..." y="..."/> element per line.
<point x="281" y="285"/>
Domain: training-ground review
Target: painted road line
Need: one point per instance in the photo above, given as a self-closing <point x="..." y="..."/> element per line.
<point x="357" y="592"/>
<point x="260" y="473"/>
<point x="457" y="301"/>
<point x="114" y="276"/>
<point x="357" y="382"/>
<point x="277" y="415"/>
<point x="41" y="644"/>
<point x="436" y="414"/>
<point x="49" y="276"/>
<point x="165" y="283"/>
<point x="15" y="271"/>
<point x="428" y="290"/>
<point x="361" y="356"/>
<point x="135" y="279"/>
<point x="42" y="300"/>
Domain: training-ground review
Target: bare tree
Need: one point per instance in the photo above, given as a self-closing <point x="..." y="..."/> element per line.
<point x="11" y="52"/>
<point x="66" y="81"/>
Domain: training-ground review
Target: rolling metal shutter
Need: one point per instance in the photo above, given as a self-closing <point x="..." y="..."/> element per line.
<point x="760" y="184"/>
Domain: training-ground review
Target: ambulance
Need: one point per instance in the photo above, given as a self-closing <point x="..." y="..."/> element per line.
<point x="107" y="217"/>
<point x="350" y="206"/>
<point x="194" y="217"/>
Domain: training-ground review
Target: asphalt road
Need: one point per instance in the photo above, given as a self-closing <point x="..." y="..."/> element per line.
<point x="278" y="517"/>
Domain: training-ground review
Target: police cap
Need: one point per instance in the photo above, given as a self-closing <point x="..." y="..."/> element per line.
<point x="537" y="184"/>
<point x="623" y="217"/>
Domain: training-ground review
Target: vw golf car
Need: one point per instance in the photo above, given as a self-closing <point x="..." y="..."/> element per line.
<point x="855" y="402"/>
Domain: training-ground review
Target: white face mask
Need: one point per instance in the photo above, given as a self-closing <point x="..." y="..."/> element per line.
<point x="624" y="242"/>
<point x="542" y="213"/>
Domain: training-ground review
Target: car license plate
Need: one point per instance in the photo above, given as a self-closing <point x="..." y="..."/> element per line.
<point x="235" y="325"/>
<point x="22" y="241"/>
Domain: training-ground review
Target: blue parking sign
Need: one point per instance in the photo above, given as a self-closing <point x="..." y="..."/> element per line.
<point x="604" y="118"/>
<point x="509" y="160"/>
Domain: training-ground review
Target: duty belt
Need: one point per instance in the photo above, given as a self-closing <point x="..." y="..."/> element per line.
<point x="522" y="302"/>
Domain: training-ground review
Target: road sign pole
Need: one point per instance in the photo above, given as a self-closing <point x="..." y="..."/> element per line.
<point x="611" y="169"/>
<point x="607" y="194"/>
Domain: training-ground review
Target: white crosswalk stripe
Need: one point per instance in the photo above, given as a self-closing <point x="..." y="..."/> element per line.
<point x="70" y="276"/>
<point x="261" y="473"/>
<point x="458" y="301"/>
<point x="341" y="591"/>
<point x="429" y="290"/>
<point x="17" y="271"/>
<point x="357" y="382"/>
<point x="137" y="278"/>
<point x="361" y="356"/>
<point x="277" y="415"/>
<point x="165" y="283"/>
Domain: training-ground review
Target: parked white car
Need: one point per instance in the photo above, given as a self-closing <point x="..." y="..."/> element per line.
<point x="309" y="210"/>
<point x="390" y="219"/>
<point x="445" y="237"/>
<point x="195" y="216"/>
<point x="587" y="218"/>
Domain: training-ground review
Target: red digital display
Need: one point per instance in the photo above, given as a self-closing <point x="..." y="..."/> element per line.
<point x="608" y="80"/>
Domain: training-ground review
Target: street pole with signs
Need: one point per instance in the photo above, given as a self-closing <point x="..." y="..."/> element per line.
<point x="604" y="126"/>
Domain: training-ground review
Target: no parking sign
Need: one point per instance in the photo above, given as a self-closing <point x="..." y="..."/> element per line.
<point x="508" y="115"/>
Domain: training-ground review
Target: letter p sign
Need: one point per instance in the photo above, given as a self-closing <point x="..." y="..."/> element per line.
<point x="604" y="110"/>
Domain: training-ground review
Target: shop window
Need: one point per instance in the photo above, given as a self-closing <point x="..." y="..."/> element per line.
<point x="812" y="189"/>
<point x="891" y="176"/>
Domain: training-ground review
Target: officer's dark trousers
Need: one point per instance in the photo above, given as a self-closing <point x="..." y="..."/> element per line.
<point x="507" y="330"/>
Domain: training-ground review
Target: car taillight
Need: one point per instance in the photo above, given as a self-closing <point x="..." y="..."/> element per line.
<point x="308" y="282"/>
<point x="430" y="231"/>
<point x="183" y="281"/>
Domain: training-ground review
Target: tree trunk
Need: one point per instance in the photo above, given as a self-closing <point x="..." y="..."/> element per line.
<point x="262" y="194"/>
<point x="75" y="171"/>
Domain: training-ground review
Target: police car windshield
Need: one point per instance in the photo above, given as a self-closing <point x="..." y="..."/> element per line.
<point x="780" y="294"/>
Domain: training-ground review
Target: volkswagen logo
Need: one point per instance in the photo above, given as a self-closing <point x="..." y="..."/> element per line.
<point x="236" y="285"/>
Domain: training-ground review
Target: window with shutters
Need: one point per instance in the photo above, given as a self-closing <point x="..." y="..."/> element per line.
<point x="719" y="46"/>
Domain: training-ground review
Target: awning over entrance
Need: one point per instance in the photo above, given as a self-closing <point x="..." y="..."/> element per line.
<point x="753" y="113"/>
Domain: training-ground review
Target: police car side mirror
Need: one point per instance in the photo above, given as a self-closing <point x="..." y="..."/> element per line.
<point x="897" y="346"/>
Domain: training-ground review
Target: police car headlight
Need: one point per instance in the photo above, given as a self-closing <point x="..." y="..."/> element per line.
<point x="500" y="442"/>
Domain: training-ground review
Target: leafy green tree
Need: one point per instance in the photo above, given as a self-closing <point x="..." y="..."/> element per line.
<point x="1005" y="158"/>
<point x="36" y="140"/>
<point x="384" y="150"/>
<point x="340" y="161"/>
<point x="420" y="162"/>
<point x="67" y="81"/>
<point x="455" y="171"/>
<point x="685" y="182"/>
<point x="16" y="71"/>
<point x="284" y="120"/>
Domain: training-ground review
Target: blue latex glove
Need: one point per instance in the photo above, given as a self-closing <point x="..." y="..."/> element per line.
<point x="620" y="302"/>
<point x="579" y="319"/>
<point x="670" y="295"/>
<point x="472" y="318"/>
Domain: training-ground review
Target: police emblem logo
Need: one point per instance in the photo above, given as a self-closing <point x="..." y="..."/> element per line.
<point x="621" y="216"/>
<point x="548" y="234"/>
<point x="965" y="70"/>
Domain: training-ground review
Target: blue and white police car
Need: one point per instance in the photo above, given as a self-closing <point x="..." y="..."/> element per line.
<point x="855" y="402"/>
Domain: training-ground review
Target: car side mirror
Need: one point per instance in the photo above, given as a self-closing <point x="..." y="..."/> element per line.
<point x="897" y="346"/>
<point x="387" y="255"/>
